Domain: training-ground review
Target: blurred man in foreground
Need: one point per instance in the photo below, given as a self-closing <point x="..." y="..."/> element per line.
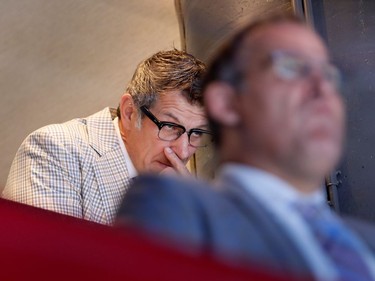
<point x="83" y="167"/>
<point x="272" y="98"/>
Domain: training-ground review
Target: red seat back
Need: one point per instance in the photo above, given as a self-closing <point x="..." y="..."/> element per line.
<point x="42" y="245"/>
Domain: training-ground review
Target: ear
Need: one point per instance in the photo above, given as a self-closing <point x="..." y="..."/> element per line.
<point x="220" y="100"/>
<point x="127" y="110"/>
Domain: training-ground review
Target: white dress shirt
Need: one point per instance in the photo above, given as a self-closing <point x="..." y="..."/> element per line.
<point x="129" y="164"/>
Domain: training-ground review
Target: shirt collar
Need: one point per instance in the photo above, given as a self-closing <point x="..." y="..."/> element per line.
<point x="129" y="164"/>
<point x="268" y="186"/>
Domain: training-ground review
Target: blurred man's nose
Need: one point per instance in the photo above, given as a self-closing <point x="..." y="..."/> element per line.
<point x="322" y="85"/>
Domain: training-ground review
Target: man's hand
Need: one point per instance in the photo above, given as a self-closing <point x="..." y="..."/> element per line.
<point x="178" y="167"/>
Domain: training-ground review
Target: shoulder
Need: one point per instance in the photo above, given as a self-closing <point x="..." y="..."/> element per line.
<point x="168" y="206"/>
<point x="68" y="134"/>
<point x="195" y="215"/>
<point x="52" y="139"/>
<point x="154" y="189"/>
<point x="364" y="229"/>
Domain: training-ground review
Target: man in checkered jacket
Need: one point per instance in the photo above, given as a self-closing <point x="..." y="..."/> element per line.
<point x="83" y="167"/>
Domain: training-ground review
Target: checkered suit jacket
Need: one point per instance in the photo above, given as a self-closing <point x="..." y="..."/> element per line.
<point x="75" y="168"/>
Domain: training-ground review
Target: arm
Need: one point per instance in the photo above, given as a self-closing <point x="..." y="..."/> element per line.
<point x="45" y="174"/>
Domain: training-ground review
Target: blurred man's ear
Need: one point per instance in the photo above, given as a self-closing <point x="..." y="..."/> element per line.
<point x="221" y="103"/>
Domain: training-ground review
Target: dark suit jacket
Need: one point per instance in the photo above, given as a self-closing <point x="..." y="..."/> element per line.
<point x="228" y="222"/>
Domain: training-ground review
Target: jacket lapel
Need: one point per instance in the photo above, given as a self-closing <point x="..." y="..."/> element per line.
<point x="282" y="249"/>
<point x="110" y="168"/>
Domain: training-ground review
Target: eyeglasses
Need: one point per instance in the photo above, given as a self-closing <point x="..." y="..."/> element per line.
<point x="169" y="131"/>
<point x="289" y="66"/>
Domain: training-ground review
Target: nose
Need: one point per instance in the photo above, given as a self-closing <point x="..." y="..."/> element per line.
<point x="182" y="148"/>
<point x="321" y="85"/>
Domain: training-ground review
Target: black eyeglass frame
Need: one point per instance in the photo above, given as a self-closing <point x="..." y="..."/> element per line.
<point x="161" y="124"/>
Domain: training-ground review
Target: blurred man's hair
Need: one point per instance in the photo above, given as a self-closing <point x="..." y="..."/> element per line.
<point x="230" y="63"/>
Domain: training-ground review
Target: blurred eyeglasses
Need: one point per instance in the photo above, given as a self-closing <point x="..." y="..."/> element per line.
<point x="289" y="66"/>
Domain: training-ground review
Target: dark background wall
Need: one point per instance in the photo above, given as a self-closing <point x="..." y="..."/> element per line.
<point x="208" y="23"/>
<point x="349" y="28"/>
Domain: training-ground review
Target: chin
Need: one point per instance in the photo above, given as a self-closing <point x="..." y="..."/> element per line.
<point x="324" y="164"/>
<point x="325" y="154"/>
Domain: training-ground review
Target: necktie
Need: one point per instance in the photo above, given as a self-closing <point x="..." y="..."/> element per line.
<point x="342" y="247"/>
